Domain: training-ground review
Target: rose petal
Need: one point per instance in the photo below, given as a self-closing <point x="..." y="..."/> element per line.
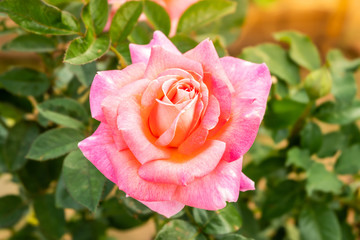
<point x="253" y="84"/>
<point x="213" y="190"/>
<point x="162" y="59"/>
<point x="128" y="180"/>
<point x="182" y="169"/>
<point x="168" y="208"/>
<point x="108" y="83"/>
<point x="246" y="183"/>
<point x="141" y="53"/>
<point x="95" y="147"/>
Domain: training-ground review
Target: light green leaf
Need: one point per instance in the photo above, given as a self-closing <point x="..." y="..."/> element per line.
<point x="157" y="16"/>
<point x="179" y="229"/>
<point x="54" y="143"/>
<point x="12" y="209"/>
<point x="30" y="43"/>
<point x="97" y="11"/>
<point x="311" y="137"/>
<point x="320" y="179"/>
<point x="318" y="222"/>
<point x="348" y="162"/>
<point x="223" y="221"/>
<point x="86" y="49"/>
<point x="302" y="49"/>
<point x="276" y="59"/>
<point x="24" y="82"/>
<point x="64" y="111"/>
<point x="318" y="83"/>
<point x="299" y="158"/>
<point x="183" y="42"/>
<point x="204" y="12"/>
<point x="39" y="17"/>
<point x="234" y="237"/>
<point x="82" y="180"/>
<point x="84" y="73"/>
<point x="124" y="21"/>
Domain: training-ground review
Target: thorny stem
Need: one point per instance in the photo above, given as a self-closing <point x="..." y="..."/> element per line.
<point x="122" y="61"/>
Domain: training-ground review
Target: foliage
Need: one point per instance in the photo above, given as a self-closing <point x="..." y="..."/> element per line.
<point x="307" y="178"/>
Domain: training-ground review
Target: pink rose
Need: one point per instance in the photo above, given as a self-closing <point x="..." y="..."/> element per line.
<point x="175" y="8"/>
<point x="174" y="127"/>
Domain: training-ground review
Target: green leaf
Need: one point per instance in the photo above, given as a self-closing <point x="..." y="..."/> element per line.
<point x="63" y="198"/>
<point x="183" y="42"/>
<point x="54" y="143"/>
<point x="39" y="17"/>
<point x="302" y="49"/>
<point x="97" y="11"/>
<point x="18" y="143"/>
<point x="142" y="34"/>
<point x="348" y="162"/>
<point x="179" y="229"/>
<point x="51" y="219"/>
<point x="86" y="49"/>
<point x="83" y="181"/>
<point x="341" y="69"/>
<point x="318" y="83"/>
<point x="157" y="16"/>
<point x="250" y="226"/>
<point x="299" y="158"/>
<point x="277" y="60"/>
<point x="10" y="111"/>
<point x="30" y="43"/>
<point x="320" y="179"/>
<point x="234" y="237"/>
<point x="84" y="73"/>
<point x="124" y="21"/>
<point x="64" y="111"/>
<point x="12" y="209"/>
<point x="223" y="221"/>
<point x="204" y="12"/>
<point x="318" y="222"/>
<point x="134" y="207"/>
<point x="311" y="137"/>
<point x="332" y="142"/>
<point x="283" y="113"/>
<point x="24" y="82"/>
<point x="347" y="232"/>
<point x="330" y="112"/>
<point x="89" y="229"/>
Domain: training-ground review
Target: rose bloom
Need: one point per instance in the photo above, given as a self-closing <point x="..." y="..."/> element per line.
<point x="174" y="127"/>
<point x="175" y="8"/>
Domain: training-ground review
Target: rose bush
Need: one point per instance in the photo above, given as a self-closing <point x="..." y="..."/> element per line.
<point x="175" y="8"/>
<point x="174" y="127"/>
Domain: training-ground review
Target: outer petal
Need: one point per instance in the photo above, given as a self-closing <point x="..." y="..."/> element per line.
<point x="212" y="191"/>
<point x="161" y="59"/>
<point x="141" y="53"/>
<point x="95" y="148"/>
<point x="129" y="181"/>
<point x="181" y="169"/>
<point x="108" y="83"/>
<point x="246" y="183"/>
<point x="168" y="208"/>
<point x="252" y="83"/>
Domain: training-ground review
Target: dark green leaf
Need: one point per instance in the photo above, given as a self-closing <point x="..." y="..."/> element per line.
<point x="332" y="142"/>
<point x="29" y="232"/>
<point x="311" y="137"/>
<point x="124" y="21"/>
<point x="64" y="111"/>
<point x="86" y="49"/>
<point x="250" y="226"/>
<point x="18" y="144"/>
<point x="299" y="158"/>
<point x="183" y="42"/>
<point x="51" y="219"/>
<point x="320" y="179"/>
<point x="277" y="60"/>
<point x="302" y="49"/>
<point x="234" y="237"/>
<point x="8" y="110"/>
<point x="283" y="113"/>
<point x="24" y="82"/>
<point x="63" y="198"/>
<point x="54" y="143"/>
<point x="281" y="199"/>
<point x="348" y="162"/>
<point x="347" y="232"/>
<point x="330" y="112"/>
<point x="83" y="181"/>
<point x="12" y="208"/>
<point x="30" y="43"/>
<point x="89" y="230"/>
<point x="223" y="221"/>
<point x="157" y="16"/>
<point x="84" y="73"/>
<point x="204" y="12"/>
<point x="135" y="207"/>
<point x="179" y="229"/>
<point x="318" y="222"/>
<point x="39" y="17"/>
